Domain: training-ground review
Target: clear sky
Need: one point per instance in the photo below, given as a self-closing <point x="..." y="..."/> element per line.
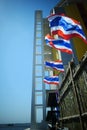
<point x="16" y="56"/>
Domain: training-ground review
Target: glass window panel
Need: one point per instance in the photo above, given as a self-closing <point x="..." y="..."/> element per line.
<point x="46" y="73"/>
<point x="38" y="34"/>
<point x="38" y="59"/>
<point x="38" y="70"/>
<point x="47" y="86"/>
<point x="39" y="114"/>
<point x="38" y="50"/>
<point x="38" y="83"/>
<point x="38" y="27"/>
<point x="39" y="21"/>
<point x="38" y="98"/>
<point x="38" y="41"/>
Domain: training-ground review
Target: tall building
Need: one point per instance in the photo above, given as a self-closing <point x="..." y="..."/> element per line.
<point x="41" y="53"/>
<point x="38" y="107"/>
<point x="38" y="89"/>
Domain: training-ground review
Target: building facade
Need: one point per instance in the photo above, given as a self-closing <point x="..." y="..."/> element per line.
<point x="38" y="113"/>
<point x="41" y="53"/>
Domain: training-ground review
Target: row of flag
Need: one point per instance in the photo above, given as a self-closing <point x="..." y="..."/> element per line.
<point x="51" y="80"/>
<point x="64" y="28"/>
<point x="57" y="65"/>
<point x="59" y="44"/>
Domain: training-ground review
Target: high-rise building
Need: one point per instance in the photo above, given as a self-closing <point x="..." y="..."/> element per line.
<point x="38" y="90"/>
<point x="38" y="107"/>
<point x="41" y="53"/>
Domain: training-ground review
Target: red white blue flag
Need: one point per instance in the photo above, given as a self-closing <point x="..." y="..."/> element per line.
<point x="58" y="65"/>
<point x="59" y="44"/>
<point x="51" y="80"/>
<point x="66" y="27"/>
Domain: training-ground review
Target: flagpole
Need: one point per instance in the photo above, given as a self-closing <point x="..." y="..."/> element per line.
<point x="74" y="56"/>
<point x="53" y="11"/>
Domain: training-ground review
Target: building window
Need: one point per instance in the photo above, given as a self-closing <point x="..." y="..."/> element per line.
<point x="38" y="50"/>
<point x="38" y="59"/>
<point x="38" y="98"/>
<point x="38" y="34"/>
<point x="38" y="70"/>
<point x="38" y="41"/>
<point x="39" y="114"/>
<point x="38" y="83"/>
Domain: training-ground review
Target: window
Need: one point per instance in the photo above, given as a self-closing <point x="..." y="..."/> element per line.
<point x="38" y="41"/>
<point x="38" y="59"/>
<point x="38" y="84"/>
<point x="38" y="70"/>
<point x="38" y="49"/>
<point x="38" y="34"/>
<point x="38" y="98"/>
<point x="39" y="114"/>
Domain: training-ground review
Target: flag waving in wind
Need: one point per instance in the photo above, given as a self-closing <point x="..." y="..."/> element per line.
<point x="58" y="65"/>
<point x="51" y="80"/>
<point x="59" y="44"/>
<point x="65" y="27"/>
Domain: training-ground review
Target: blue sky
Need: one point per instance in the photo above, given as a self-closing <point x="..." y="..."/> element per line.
<point x="16" y="57"/>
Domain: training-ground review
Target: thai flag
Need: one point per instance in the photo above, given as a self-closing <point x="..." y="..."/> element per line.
<point x="65" y="27"/>
<point x="58" y="65"/>
<point x="59" y="44"/>
<point x="51" y="80"/>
